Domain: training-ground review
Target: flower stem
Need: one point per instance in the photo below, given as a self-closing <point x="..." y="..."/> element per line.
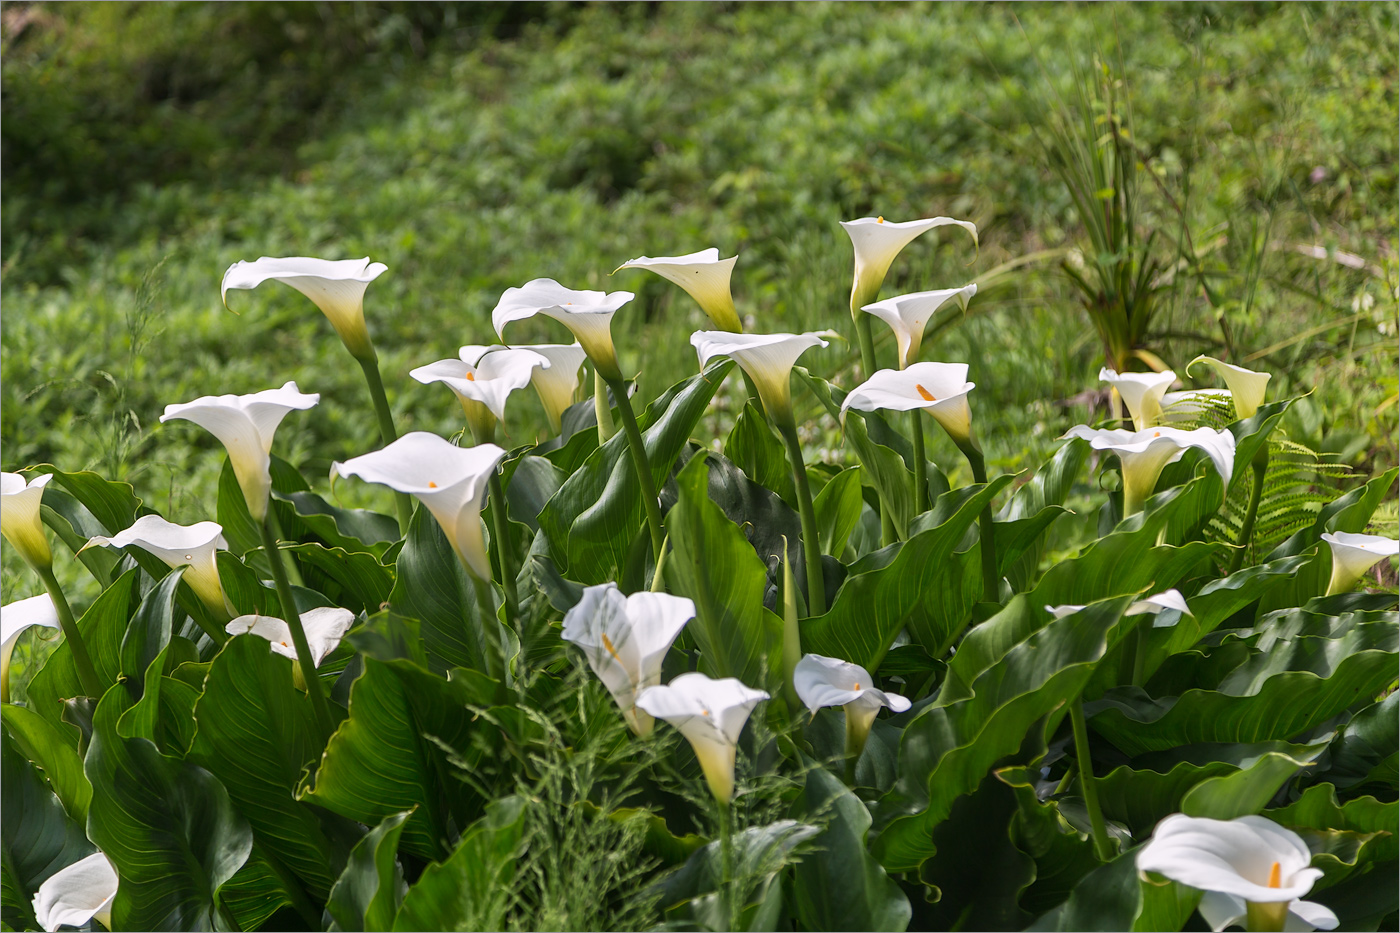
<point x="811" y="546"/>
<point x="502" y="533"/>
<point x="651" y="503"/>
<point x="601" y="409"/>
<point x="87" y="674"/>
<point x="1260" y="465"/>
<point x="991" y="580"/>
<point x="1102" y="845"/>
<point x="916" y="436"/>
<point x="867" y="341"/>
<point x="387" y="433"/>
<point x="658" y="579"/>
<point x="293" y="619"/>
<point x="495" y="654"/>
<point x="726" y="855"/>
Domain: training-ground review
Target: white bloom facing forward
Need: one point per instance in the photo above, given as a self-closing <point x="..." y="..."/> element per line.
<point x="1353" y="555"/>
<point x="20" y="520"/>
<point x="325" y="626"/>
<point x="246" y="424"/>
<point x="625" y="639"/>
<point x="877" y="241"/>
<point x="336" y="286"/>
<point x="194" y="546"/>
<point x="450" y="481"/>
<point x="78" y="894"/>
<point x="822" y="681"/>
<point x="711" y="715"/>
<point x="1151" y="605"/>
<point x="703" y="275"/>
<point x="588" y="314"/>
<point x="14" y="619"/>
<point x="483" y="379"/>
<point x="1142" y="393"/>
<point x="767" y="358"/>
<point x="556" y="383"/>
<point x="1144" y="454"/>
<point x="907" y="315"/>
<point x="938" y="388"/>
<point x="1248" y="867"/>
<point x="1246" y="386"/>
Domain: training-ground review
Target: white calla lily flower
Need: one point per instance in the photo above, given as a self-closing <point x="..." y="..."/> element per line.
<point x="938" y="388"/>
<point x="1150" y="605"/>
<point x="703" y="275"/>
<point x="1144" y="454"/>
<point x="625" y="639"/>
<point x="587" y="314"/>
<point x="877" y="241"/>
<point x="20" y="519"/>
<point x="1246" y="386"/>
<point x="822" y="681"/>
<point x="336" y="286"/>
<point x="1142" y="393"/>
<point x="1249" y="867"/>
<point x="482" y="379"/>
<point x="556" y="383"/>
<point x="325" y="626"/>
<point x="767" y="358"/>
<point x="78" y="894"/>
<point x="245" y="425"/>
<point x="711" y="715"/>
<point x="194" y="546"/>
<point x="907" y="315"/>
<point x="1353" y="555"/>
<point x="450" y="481"/>
<point x="14" y="619"/>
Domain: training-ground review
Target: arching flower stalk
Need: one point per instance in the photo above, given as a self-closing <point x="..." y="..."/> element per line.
<point x="14" y="619"/>
<point x="337" y="287"/>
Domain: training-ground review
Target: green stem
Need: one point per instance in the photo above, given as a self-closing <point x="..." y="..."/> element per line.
<point x="991" y="580"/>
<point x="293" y="574"/>
<point x="651" y="503"/>
<point x="726" y="855"/>
<point x="867" y="342"/>
<point x="387" y="432"/>
<point x="916" y="435"/>
<point x="491" y="628"/>
<point x="811" y="546"/>
<point x="87" y="674"/>
<point x="658" y="580"/>
<point x="293" y="619"/>
<point x="888" y="533"/>
<point x="1260" y="464"/>
<point x="601" y="409"/>
<point x="1102" y="845"/>
<point x="502" y="532"/>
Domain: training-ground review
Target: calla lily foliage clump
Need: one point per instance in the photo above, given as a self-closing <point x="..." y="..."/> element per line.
<point x="788" y="693"/>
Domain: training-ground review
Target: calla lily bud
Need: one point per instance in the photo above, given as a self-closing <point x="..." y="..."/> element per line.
<point x="337" y="288"/>
<point x="823" y="681"/>
<point x="76" y="895"/>
<point x="1250" y="869"/>
<point x="588" y="314"/>
<point x="1144" y="454"/>
<point x="1353" y="555"/>
<point x="767" y="358"/>
<point x="482" y="379"/>
<point x="194" y="546"/>
<point x="938" y="388"/>
<point x="704" y="276"/>
<point x="246" y="424"/>
<point x="20" y="519"/>
<point x="556" y="383"/>
<point x="625" y="639"/>
<point x="14" y="619"/>
<point x="907" y="316"/>
<point x="877" y="241"/>
<point x="1247" y="387"/>
<point x="1142" y="393"/>
<point x="711" y="715"/>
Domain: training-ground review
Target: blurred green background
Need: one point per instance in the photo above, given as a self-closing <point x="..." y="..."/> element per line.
<point x="473" y="147"/>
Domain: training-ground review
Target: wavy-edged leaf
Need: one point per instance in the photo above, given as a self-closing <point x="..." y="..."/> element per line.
<point x="355" y="580"/>
<point x="350" y="529"/>
<point x="367" y="894"/>
<point x="42" y="742"/>
<point x="103" y="627"/>
<point x="432" y="587"/>
<point x="754" y="447"/>
<point x="1365" y="751"/>
<point x="837" y="508"/>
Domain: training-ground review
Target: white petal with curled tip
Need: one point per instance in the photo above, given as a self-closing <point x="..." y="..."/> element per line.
<point x="1246" y="386"/>
<point x="1225" y="910"/>
<point x="556" y="383"/>
<point x="1354" y="554"/>
<point x="907" y="315"/>
<point x="1152" y="605"/>
<point x="14" y="619"/>
<point x="1145" y="453"/>
<point x="324" y="626"/>
<point x="822" y="681"/>
<point x="179" y="545"/>
<point x="938" y="388"/>
<point x="1230" y="857"/>
<point x="767" y="358"/>
<point x="449" y="480"/>
<point x="245" y="425"/>
<point x="75" y="895"/>
<point x="20" y="519"/>
<point x="703" y="275"/>
<point x="711" y="715"/>
<point x="490" y="381"/>
<point x="588" y="314"/>
<point x="336" y="286"/>
<point x="1141" y="392"/>
<point x="877" y="241"/>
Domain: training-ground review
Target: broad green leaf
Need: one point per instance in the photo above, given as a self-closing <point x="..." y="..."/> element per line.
<point x="149" y="631"/>
<point x="42" y="742"/>
<point x="433" y="588"/>
<point x="1246" y="791"/>
<point x="837" y="508"/>
<point x="471" y="889"/>
<point x="756" y="449"/>
<point x="355" y="580"/>
<point x="256" y="892"/>
<point x="1106" y="899"/>
<point x="1061" y="853"/>
<point x="244" y="589"/>
<point x="532" y="484"/>
<point x="231" y="510"/>
<point x="350" y="529"/>
<point x="1358" y="835"/>
<point x="103" y="627"/>
<point x="167" y="826"/>
<point x="367" y="894"/>
<point x="1365" y="752"/>
<point x="1049" y="487"/>
<point x="74" y="525"/>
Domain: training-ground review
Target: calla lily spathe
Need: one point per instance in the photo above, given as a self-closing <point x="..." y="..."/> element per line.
<point x="938" y="388"/>
<point x="704" y="276"/>
<point x="14" y="619"/>
<point x="907" y="315"/>
<point x="587" y="314"/>
<point x="1151" y="605"/>
<point x="1143" y="455"/>
<point x="877" y="241"/>
<point x="1353" y="555"/>
<point x="336" y="286"/>
<point x="767" y="358"/>
<point x="711" y="715"/>
<point x="78" y="894"/>
<point x="194" y="546"/>
<point x="325" y="626"/>
<point x="450" y="481"/>
<point x="483" y="378"/>
<point x="1246" y="386"/>
<point x="246" y="424"/>
<point x="20" y="520"/>
<point x="822" y="681"/>
<point x="556" y="383"/>
<point x="1249" y="867"/>
<point x="1142" y="393"/>
<point x="625" y="639"/>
